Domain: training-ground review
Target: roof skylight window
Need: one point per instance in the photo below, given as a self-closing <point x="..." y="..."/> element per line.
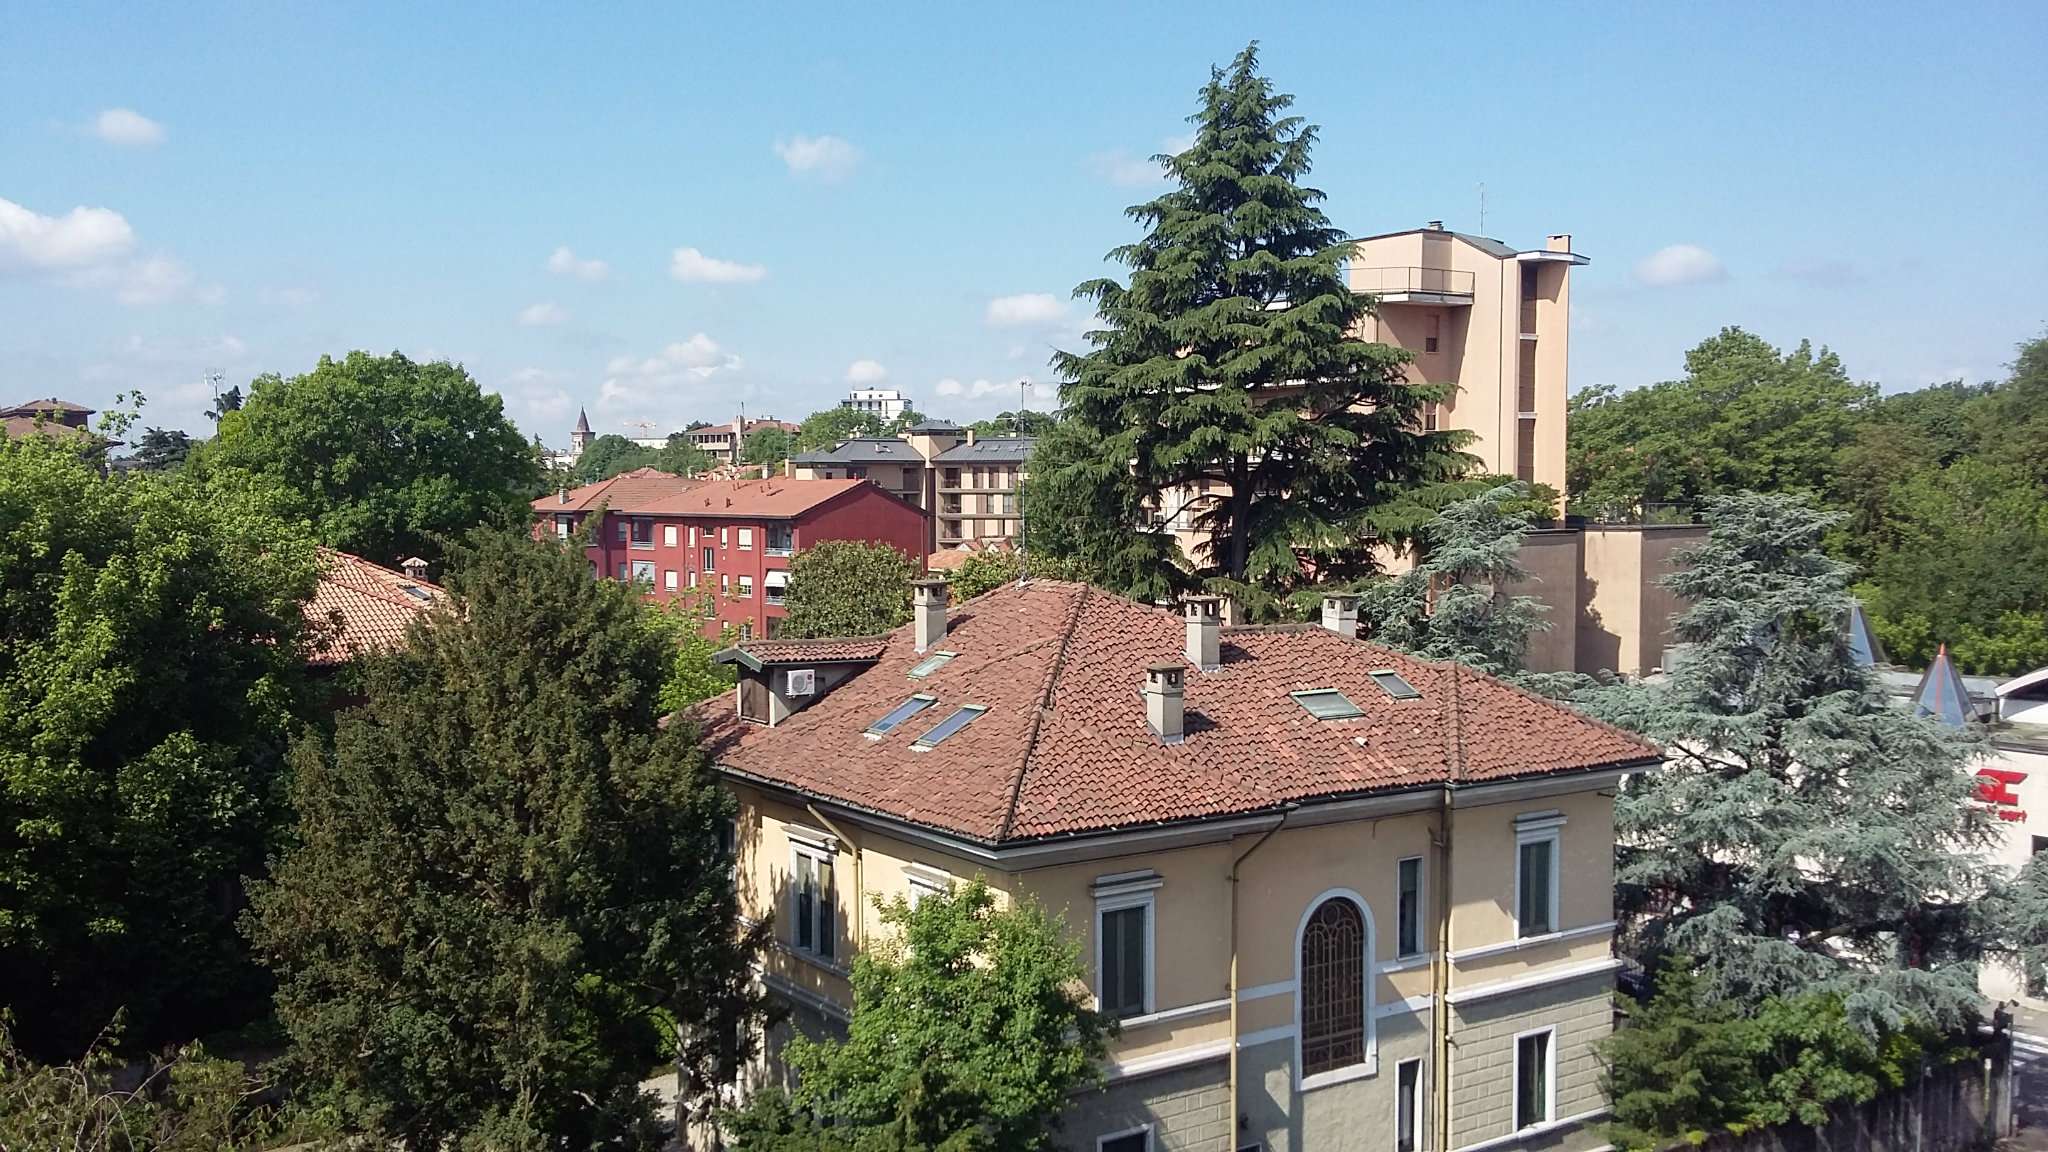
<point x="1394" y="684"/>
<point x="930" y="664"/>
<point x="1327" y="704"/>
<point x="899" y="714"/>
<point x="960" y="719"/>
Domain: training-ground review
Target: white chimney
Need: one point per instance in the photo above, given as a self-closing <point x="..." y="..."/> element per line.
<point x="414" y="568"/>
<point x="1205" y="630"/>
<point x="928" y="610"/>
<point x="1164" y="701"/>
<point x="1340" y="613"/>
<point x="562" y="495"/>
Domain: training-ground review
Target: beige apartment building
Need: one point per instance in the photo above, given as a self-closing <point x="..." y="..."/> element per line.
<point x="969" y="483"/>
<point x="1338" y="898"/>
<point x="1490" y="319"/>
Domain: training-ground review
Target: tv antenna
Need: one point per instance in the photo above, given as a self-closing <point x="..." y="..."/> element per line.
<point x="1482" y="207"/>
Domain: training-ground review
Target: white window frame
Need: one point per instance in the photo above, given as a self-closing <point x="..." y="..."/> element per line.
<point x="723" y="536"/>
<point x="1549" y="1078"/>
<point x="693" y="535"/>
<point x="668" y="535"/>
<point x="1421" y="903"/>
<point x="820" y="849"/>
<point x="1144" y="1130"/>
<point x="925" y="881"/>
<point x="1369" y="1066"/>
<point x="1414" y="1104"/>
<point x="746" y="539"/>
<point x="746" y="587"/>
<point x="669" y="579"/>
<point x="1536" y="828"/>
<point x="1117" y="893"/>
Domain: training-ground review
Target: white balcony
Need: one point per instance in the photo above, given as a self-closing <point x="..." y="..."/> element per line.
<point x="1408" y="284"/>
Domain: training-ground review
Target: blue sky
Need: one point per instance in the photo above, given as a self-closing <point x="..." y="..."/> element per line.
<point x="662" y="212"/>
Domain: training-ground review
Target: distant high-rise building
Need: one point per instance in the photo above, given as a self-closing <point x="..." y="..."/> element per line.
<point x="886" y="403"/>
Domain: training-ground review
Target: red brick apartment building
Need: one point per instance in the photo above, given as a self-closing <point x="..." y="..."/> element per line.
<point x="730" y="538"/>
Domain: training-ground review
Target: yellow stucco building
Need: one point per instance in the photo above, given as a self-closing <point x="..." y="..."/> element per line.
<point x="1338" y="898"/>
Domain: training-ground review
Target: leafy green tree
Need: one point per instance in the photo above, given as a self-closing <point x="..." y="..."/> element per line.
<point x="767" y="445"/>
<point x="679" y="457"/>
<point x="611" y="454"/>
<point x="1230" y="359"/>
<point x="1804" y="833"/>
<point x="386" y="457"/>
<point x="987" y="571"/>
<point x="969" y="1033"/>
<point x="847" y="588"/>
<point x="692" y="674"/>
<point x="907" y="418"/>
<point x="506" y="871"/>
<point x="150" y="671"/>
<point x="226" y="402"/>
<point x="1023" y="422"/>
<point x="161" y="451"/>
<point x="826" y="427"/>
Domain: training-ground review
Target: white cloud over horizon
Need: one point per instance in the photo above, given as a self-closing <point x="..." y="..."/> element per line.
<point x="127" y="128"/>
<point x="1126" y="169"/>
<point x="694" y="267"/>
<point x="1026" y="310"/>
<point x="546" y="314"/>
<point x="865" y="372"/>
<point x="1679" y="264"/>
<point x="828" y="158"/>
<point x="563" y="261"/>
<point x="80" y="238"/>
<point x="646" y="383"/>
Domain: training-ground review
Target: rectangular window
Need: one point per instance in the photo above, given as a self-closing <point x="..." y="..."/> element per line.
<point x="669" y="579"/>
<point x="900" y="713"/>
<point x="724" y="537"/>
<point x="747" y="538"/>
<point x="668" y="535"/>
<point x="562" y="526"/>
<point x="1436" y="327"/>
<point x="781" y="540"/>
<point x="725" y="582"/>
<point x="1536" y="885"/>
<point x="693" y="535"/>
<point x="1525" y="450"/>
<point x="643" y="572"/>
<point x="746" y="590"/>
<point x="643" y="532"/>
<point x="952" y="477"/>
<point x="1136" y="1140"/>
<point x="1123" y="952"/>
<point x="1408" y="1106"/>
<point x="709" y="564"/>
<point x="1534" y="1078"/>
<point x="812" y="915"/>
<point x="693" y="579"/>
<point x="1408" y="908"/>
<point x="965" y="715"/>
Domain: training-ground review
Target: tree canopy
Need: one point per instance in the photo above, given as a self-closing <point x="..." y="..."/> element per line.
<point x="505" y="872"/>
<point x="968" y="1034"/>
<point x="150" y="673"/>
<point x="386" y="457"/>
<point x="828" y="426"/>
<point x="847" y="588"/>
<point x="611" y="454"/>
<point x="1022" y="422"/>
<point x="1229" y="363"/>
<point x="161" y="451"/>
<point x="767" y="445"/>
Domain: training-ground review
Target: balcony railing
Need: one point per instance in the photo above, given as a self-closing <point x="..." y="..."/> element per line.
<point x="1408" y="278"/>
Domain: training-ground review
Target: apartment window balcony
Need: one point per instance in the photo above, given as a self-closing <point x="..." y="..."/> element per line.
<point x="1408" y="284"/>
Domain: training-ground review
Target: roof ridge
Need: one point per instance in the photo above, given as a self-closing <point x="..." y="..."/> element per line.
<point x="1052" y="679"/>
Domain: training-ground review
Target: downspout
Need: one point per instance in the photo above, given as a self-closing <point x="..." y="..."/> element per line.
<point x="860" y="891"/>
<point x="1440" y="972"/>
<point x="1235" y="867"/>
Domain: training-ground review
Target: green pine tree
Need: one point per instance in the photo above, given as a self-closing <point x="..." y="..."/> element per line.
<point x="1805" y="833"/>
<point x="506" y="873"/>
<point x="1230" y="358"/>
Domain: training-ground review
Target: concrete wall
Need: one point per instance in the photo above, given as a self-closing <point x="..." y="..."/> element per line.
<point x="2023" y="818"/>
<point x="1552" y="559"/>
<point x="1483" y="1063"/>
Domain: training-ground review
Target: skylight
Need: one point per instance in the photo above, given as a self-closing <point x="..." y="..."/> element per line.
<point x="900" y="713"/>
<point x="1394" y="684"/>
<point x="415" y="591"/>
<point x="1327" y="704"/>
<point x="951" y="724"/>
<point x="930" y="664"/>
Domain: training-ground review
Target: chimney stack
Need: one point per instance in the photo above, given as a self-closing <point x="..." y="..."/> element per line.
<point x="562" y="495"/>
<point x="414" y="568"/>
<point x="1340" y="613"/>
<point x="1436" y="225"/>
<point x="1561" y="242"/>
<point x="928" y="610"/>
<point x="970" y="437"/>
<point x="1164" y="702"/>
<point x="1205" y="630"/>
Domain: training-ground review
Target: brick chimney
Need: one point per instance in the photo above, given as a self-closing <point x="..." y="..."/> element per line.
<point x="414" y="568"/>
<point x="1561" y="242"/>
<point x="1205" y="630"/>
<point x="1340" y="613"/>
<point x="1164" y="701"/>
<point x="928" y="610"/>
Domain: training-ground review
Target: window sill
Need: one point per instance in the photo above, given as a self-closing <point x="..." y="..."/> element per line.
<point x="1370" y="1068"/>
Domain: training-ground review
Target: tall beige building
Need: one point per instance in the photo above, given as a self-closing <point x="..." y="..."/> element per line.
<point x="1490" y="319"/>
<point x="968" y="483"/>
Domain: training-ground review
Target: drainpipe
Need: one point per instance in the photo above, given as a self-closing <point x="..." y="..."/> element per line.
<point x="1440" y="971"/>
<point x="1236" y="866"/>
<point x="860" y="891"/>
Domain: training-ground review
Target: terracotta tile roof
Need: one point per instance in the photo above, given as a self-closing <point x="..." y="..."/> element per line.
<point x="949" y="559"/>
<point x="359" y="607"/>
<point x="19" y="426"/>
<point x="1065" y="748"/>
<point x="640" y="486"/>
<point x="774" y="498"/>
<point x="854" y="648"/>
<point x="51" y="405"/>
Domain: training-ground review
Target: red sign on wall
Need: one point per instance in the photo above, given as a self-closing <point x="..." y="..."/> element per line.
<point x="1994" y="787"/>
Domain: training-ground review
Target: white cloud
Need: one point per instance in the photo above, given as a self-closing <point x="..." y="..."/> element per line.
<point x="633" y="382"/>
<point x="128" y="128"/>
<point x="81" y="238"/>
<point x="866" y="372"/>
<point x="691" y="266"/>
<point x="152" y="281"/>
<point x="544" y="315"/>
<point x="1680" y="264"/>
<point x="1026" y="310"/>
<point x="1126" y="169"/>
<point x="827" y="158"/>
<point x="949" y="387"/>
<point x="563" y="261"/>
<point x="976" y="389"/>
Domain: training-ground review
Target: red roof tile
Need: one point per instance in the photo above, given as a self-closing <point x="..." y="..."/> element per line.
<point x="359" y="607"/>
<point x="820" y="651"/>
<point x="639" y="486"/>
<point x="774" y="498"/>
<point x="1065" y="748"/>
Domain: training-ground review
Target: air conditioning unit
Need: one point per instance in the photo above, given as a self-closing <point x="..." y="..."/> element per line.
<point x="803" y="681"/>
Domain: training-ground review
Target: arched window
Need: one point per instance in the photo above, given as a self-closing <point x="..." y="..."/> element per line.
<point x="1332" y="987"/>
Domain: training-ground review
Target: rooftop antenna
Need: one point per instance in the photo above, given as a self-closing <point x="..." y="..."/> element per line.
<point x="1017" y="427"/>
<point x="1482" y="207"/>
